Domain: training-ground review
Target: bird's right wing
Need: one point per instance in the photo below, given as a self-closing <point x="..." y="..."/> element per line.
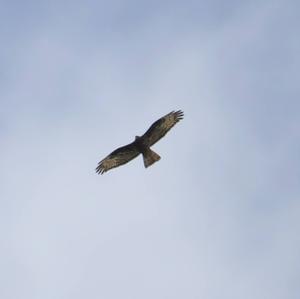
<point x="118" y="157"/>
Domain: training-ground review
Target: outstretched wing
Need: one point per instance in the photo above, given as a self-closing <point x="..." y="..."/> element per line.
<point x="118" y="157"/>
<point x="160" y="128"/>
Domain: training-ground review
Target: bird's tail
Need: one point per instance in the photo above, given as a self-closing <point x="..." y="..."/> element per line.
<point x="150" y="157"/>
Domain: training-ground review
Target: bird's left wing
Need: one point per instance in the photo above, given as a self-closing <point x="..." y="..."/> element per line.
<point x="162" y="126"/>
<point x="118" y="157"/>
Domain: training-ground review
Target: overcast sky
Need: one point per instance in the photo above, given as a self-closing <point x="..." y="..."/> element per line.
<point x="217" y="217"/>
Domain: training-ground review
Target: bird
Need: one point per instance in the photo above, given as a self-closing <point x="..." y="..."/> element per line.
<point x="141" y="144"/>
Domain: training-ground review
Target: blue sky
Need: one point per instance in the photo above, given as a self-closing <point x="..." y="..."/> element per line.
<point x="217" y="216"/>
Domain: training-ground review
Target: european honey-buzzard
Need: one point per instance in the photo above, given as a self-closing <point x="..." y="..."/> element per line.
<point x="141" y="145"/>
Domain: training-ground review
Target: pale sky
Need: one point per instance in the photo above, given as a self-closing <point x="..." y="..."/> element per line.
<point x="217" y="217"/>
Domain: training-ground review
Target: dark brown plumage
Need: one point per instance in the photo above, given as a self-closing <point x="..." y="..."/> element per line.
<point x="141" y="145"/>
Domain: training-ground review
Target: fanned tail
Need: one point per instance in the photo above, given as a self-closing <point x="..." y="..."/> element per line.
<point x="150" y="157"/>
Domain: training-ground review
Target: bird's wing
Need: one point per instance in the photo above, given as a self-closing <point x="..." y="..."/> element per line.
<point x="118" y="157"/>
<point x="160" y="128"/>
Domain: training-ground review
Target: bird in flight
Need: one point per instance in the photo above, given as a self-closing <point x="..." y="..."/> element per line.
<point x="141" y="144"/>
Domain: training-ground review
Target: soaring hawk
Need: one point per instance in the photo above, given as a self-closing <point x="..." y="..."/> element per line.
<point x="141" y="145"/>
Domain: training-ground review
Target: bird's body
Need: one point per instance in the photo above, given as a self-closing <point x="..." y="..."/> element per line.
<point x="149" y="156"/>
<point x="141" y="144"/>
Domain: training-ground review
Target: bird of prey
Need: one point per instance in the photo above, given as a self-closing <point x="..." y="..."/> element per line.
<point x="141" y="144"/>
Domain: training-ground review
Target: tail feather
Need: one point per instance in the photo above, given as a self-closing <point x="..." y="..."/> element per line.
<point x="150" y="157"/>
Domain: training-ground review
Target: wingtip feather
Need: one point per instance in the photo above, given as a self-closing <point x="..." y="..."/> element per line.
<point x="179" y="114"/>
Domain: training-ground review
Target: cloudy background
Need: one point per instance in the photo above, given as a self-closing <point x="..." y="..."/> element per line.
<point x="217" y="217"/>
